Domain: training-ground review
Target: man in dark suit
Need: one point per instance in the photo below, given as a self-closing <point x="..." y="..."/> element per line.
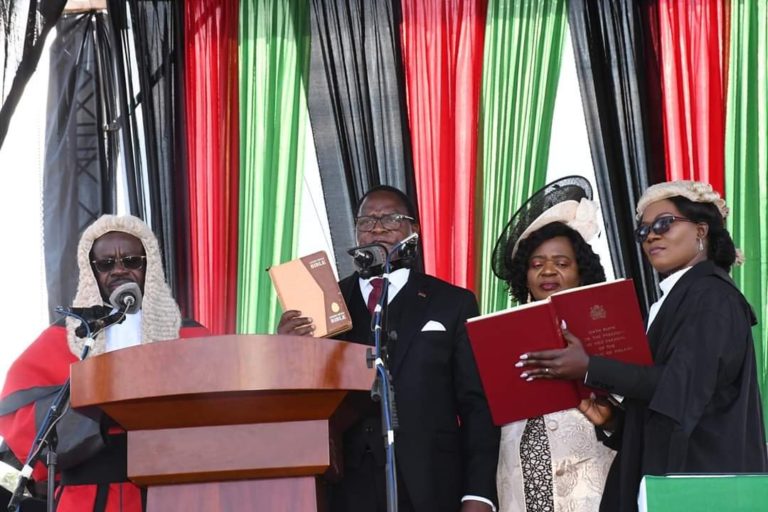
<point x="446" y="445"/>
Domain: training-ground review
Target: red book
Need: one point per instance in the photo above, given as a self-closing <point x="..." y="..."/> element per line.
<point x="605" y="317"/>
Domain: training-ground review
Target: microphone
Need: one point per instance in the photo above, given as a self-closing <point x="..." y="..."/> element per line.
<point x="126" y="297"/>
<point x="405" y="249"/>
<point x="408" y="246"/>
<point x="368" y="257"/>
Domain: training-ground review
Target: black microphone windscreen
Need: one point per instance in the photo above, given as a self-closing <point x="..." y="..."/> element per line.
<point x="367" y="256"/>
<point x="363" y="258"/>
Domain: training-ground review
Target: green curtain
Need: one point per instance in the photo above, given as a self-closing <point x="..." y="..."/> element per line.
<point x="274" y="52"/>
<point x="746" y="163"/>
<point x="523" y="48"/>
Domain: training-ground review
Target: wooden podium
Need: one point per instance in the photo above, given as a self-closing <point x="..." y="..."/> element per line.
<point x="246" y="422"/>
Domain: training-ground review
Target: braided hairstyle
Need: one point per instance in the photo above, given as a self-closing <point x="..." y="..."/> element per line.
<point x="590" y="269"/>
<point x="720" y="247"/>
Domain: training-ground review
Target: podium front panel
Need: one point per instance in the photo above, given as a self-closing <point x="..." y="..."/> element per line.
<point x="229" y="452"/>
<point x="278" y="494"/>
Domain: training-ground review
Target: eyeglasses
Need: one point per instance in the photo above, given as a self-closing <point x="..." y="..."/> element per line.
<point x="127" y="262"/>
<point x="390" y="222"/>
<point x="658" y="226"/>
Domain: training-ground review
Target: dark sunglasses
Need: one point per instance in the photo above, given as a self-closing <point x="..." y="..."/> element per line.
<point x="127" y="262"/>
<point x="658" y="226"/>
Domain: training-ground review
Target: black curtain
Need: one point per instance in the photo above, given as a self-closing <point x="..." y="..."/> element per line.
<point x="357" y="109"/>
<point x="616" y="69"/>
<point x="153" y="139"/>
<point x="157" y="27"/>
<point x="80" y="146"/>
<point x="24" y="27"/>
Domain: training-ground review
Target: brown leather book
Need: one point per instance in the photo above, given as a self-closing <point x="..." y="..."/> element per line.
<point x="308" y="285"/>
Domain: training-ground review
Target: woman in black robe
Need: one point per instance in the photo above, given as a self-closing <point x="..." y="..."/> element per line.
<point x="698" y="408"/>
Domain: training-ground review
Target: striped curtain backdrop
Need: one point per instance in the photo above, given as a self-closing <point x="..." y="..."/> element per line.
<point x="443" y="59"/>
<point x="293" y="108"/>
<point x="211" y="39"/>
<point x="746" y="164"/>
<point x="693" y="47"/>
<point x="274" y="56"/>
<point x="521" y="66"/>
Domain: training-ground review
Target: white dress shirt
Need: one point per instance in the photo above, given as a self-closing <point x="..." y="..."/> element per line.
<point x="125" y="334"/>
<point x="666" y="285"/>
<point x="397" y="281"/>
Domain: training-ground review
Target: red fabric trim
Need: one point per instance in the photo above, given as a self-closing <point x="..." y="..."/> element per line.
<point x="194" y="332"/>
<point x="33" y="367"/>
<point x="443" y="57"/>
<point x="693" y="46"/>
<point x="211" y="90"/>
<point x="44" y="363"/>
<point x="124" y="497"/>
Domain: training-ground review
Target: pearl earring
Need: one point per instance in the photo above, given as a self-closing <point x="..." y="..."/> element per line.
<point x="701" y="244"/>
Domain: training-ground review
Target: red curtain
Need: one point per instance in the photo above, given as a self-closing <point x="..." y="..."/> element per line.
<point x="442" y="44"/>
<point x="693" y="46"/>
<point x="211" y="94"/>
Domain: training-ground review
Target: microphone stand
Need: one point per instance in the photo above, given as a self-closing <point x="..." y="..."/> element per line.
<point x="382" y="390"/>
<point x="46" y="434"/>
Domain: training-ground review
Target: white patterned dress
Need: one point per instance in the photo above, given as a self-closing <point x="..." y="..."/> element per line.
<point x="565" y="463"/>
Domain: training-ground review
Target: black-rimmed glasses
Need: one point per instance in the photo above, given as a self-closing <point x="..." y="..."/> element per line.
<point x="658" y="226"/>
<point x="127" y="262"/>
<point x="390" y="222"/>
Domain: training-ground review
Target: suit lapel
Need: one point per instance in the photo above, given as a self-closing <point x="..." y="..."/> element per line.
<point x="361" y="332"/>
<point x="415" y="297"/>
<point x="672" y="304"/>
<point x="348" y="287"/>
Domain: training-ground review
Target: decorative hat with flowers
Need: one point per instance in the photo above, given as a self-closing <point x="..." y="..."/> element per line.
<point x="566" y="200"/>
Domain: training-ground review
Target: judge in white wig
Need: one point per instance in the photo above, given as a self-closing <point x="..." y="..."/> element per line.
<point x="124" y="242"/>
<point x="115" y="252"/>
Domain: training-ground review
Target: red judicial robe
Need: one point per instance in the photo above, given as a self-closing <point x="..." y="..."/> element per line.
<point x="83" y="451"/>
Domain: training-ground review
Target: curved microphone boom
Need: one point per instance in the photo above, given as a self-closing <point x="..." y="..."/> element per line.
<point x="89" y="313"/>
<point x="100" y="324"/>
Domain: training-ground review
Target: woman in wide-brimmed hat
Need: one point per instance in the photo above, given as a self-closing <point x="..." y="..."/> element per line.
<point x="552" y="462"/>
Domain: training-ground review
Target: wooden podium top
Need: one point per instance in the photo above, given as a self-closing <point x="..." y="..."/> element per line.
<point x="221" y="380"/>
